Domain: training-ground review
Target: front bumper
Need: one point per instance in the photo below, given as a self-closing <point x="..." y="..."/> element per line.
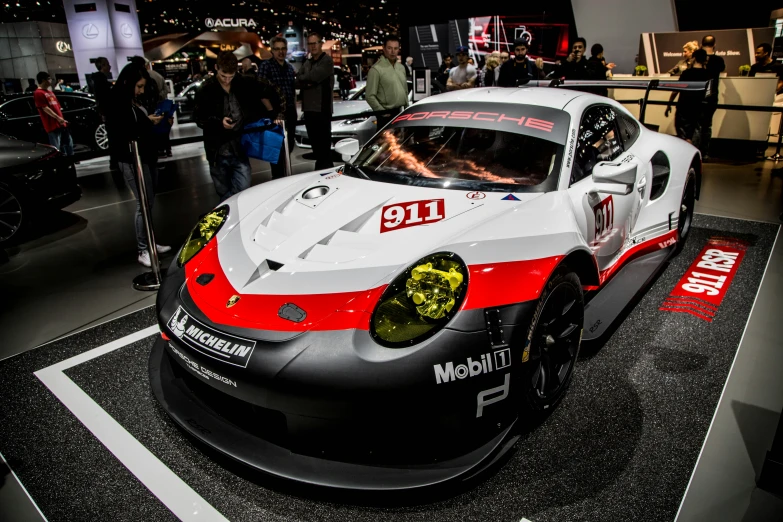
<point x="335" y="409"/>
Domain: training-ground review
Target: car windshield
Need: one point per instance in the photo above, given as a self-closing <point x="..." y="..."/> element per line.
<point x="428" y="148"/>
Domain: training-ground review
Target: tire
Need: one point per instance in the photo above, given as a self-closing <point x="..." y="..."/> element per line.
<point x="553" y="340"/>
<point x="100" y="138"/>
<point x="14" y="215"/>
<point x="687" y="204"/>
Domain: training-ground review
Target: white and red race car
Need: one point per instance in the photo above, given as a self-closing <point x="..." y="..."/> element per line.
<point x="386" y="324"/>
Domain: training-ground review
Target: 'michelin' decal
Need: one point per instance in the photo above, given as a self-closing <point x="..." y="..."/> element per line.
<point x="703" y="287"/>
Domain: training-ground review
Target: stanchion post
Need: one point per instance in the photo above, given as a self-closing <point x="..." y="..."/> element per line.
<point x="286" y="153"/>
<point x="147" y="280"/>
<point x="777" y="157"/>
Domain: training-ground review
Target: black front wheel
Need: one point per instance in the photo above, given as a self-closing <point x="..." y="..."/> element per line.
<point x="687" y="205"/>
<point x="554" y="338"/>
<point x="14" y="216"/>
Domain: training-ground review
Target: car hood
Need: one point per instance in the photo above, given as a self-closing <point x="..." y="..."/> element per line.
<point x="281" y="243"/>
<point x="15" y="152"/>
<point x="345" y="108"/>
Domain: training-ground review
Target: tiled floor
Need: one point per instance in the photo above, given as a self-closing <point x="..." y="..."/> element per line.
<point x="78" y="273"/>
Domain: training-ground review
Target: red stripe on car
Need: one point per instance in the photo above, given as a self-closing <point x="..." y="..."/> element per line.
<point x="499" y="284"/>
<point x="337" y="311"/>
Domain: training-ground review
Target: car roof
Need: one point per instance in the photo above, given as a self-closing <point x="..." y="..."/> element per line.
<point x="17" y="95"/>
<point x="541" y="96"/>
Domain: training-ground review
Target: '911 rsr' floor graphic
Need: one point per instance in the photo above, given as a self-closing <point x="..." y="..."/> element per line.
<point x="599" y="455"/>
<point x="703" y="287"/>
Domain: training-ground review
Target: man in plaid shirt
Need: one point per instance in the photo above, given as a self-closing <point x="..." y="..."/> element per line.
<point x="281" y="74"/>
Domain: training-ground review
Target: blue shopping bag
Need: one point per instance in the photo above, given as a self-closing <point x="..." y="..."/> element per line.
<point x="263" y="140"/>
<point x="167" y="109"/>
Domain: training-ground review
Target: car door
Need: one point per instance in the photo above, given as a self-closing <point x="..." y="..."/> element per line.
<point x="19" y="118"/>
<point x="606" y="219"/>
<point x="81" y="113"/>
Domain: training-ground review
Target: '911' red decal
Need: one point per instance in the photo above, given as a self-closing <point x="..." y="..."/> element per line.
<point x="412" y="213"/>
<point x="703" y="287"/>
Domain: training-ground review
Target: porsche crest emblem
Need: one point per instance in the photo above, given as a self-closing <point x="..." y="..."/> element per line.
<point x="231" y="302"/>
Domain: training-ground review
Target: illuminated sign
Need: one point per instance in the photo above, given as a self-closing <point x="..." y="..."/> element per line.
<point x="126" y="31"/>
<point x="213" y="23"/>
<point x="63" y="47"/>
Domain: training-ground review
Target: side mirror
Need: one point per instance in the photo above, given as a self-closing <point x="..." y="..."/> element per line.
<point x="347" y="148"/>
<point x="614" y="178"/>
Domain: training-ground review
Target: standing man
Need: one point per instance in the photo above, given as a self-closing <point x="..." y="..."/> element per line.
<point x="409" y="67"/>
<point x="225" y="103"/>
<point x="715" y="66"/>
<point x="387" y="87"/>
<point x="764" y="64"/>
<point x="316" y="80"/>
<point x="100" y="83"/>
<point x="51" y="116"/>
<point x="503" y="57"/>
<point x="442" y="77"/>
<point x="575" y="66"/>
<point x="249" y="68"/>
<point x="520" y="70"/>
<point x="463" y="76"/>
<point x="280" y="73"/>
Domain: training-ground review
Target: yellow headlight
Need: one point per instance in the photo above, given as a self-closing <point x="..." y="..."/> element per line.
<point x="420" y="301"/>
<point x="204" y="230"/>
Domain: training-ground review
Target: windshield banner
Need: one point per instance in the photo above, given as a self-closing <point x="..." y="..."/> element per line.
<point x="540" y="122"/>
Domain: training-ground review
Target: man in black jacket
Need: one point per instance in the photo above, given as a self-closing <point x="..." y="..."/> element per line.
<point x="224" y="104"/>
<point x="520" y="70"/>
<point x="575" y="66"/>
<point x="715" y="66"/>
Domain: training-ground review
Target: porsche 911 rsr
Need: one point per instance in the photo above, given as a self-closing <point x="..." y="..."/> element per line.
<point x="386" y="324"/>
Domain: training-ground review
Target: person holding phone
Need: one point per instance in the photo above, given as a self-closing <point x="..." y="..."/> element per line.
<point x="575" y="66"/>
<point x="225" y="103"/>
<point x="128" y="120"/>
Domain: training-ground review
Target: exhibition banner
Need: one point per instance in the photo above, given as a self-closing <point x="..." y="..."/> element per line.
<point x="660" y="52"/>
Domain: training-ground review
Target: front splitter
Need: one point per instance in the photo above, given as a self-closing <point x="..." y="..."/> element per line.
<point x="206" y="425"/>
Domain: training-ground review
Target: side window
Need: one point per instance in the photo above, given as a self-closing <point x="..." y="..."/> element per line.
<point x="75" y="102"/>
<point x="18" y="108"/>
<point x="598" y="141"/>
<point x="66" y="103"/>
<point x="629" y="129"/>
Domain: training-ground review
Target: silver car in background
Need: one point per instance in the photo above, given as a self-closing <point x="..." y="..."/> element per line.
<point x="360" y="127"/>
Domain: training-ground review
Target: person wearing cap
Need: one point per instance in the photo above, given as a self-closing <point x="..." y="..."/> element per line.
<point x="463" y="76"/>
<point x="521" y="69"/>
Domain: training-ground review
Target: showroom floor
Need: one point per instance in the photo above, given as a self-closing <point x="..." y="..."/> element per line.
<point x="77" y="274"/>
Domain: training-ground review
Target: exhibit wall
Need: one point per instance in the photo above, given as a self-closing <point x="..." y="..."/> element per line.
<point x="661" y="51"/>
<point x="428" y="44"/>
<point x="485" y="34"/>
<point x="627" y="19"/>
<point x="26" y="48"/>
<point x="108" y="28"/>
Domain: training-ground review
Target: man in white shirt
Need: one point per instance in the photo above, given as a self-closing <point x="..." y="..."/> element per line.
<point x="463" y="76"/>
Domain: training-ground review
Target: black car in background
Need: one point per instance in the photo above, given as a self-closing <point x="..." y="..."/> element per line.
<point x="34" y="179"/>
<point x="19" y="118"/>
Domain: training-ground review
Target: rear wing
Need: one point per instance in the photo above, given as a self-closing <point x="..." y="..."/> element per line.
<point x="651" y="84"/>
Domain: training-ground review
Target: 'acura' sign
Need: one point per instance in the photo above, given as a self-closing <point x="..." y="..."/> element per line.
<point x="213" y="23"/>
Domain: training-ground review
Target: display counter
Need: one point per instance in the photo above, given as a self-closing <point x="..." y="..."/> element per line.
<point x="727" y="124"/>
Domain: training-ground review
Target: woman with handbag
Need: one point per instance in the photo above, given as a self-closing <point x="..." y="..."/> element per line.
<point x="128" y="120"/>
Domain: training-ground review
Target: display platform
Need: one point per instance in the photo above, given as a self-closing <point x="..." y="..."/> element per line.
<point x="84" y="434"/>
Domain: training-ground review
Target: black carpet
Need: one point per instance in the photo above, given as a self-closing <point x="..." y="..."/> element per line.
<point x="621" y="446"/>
